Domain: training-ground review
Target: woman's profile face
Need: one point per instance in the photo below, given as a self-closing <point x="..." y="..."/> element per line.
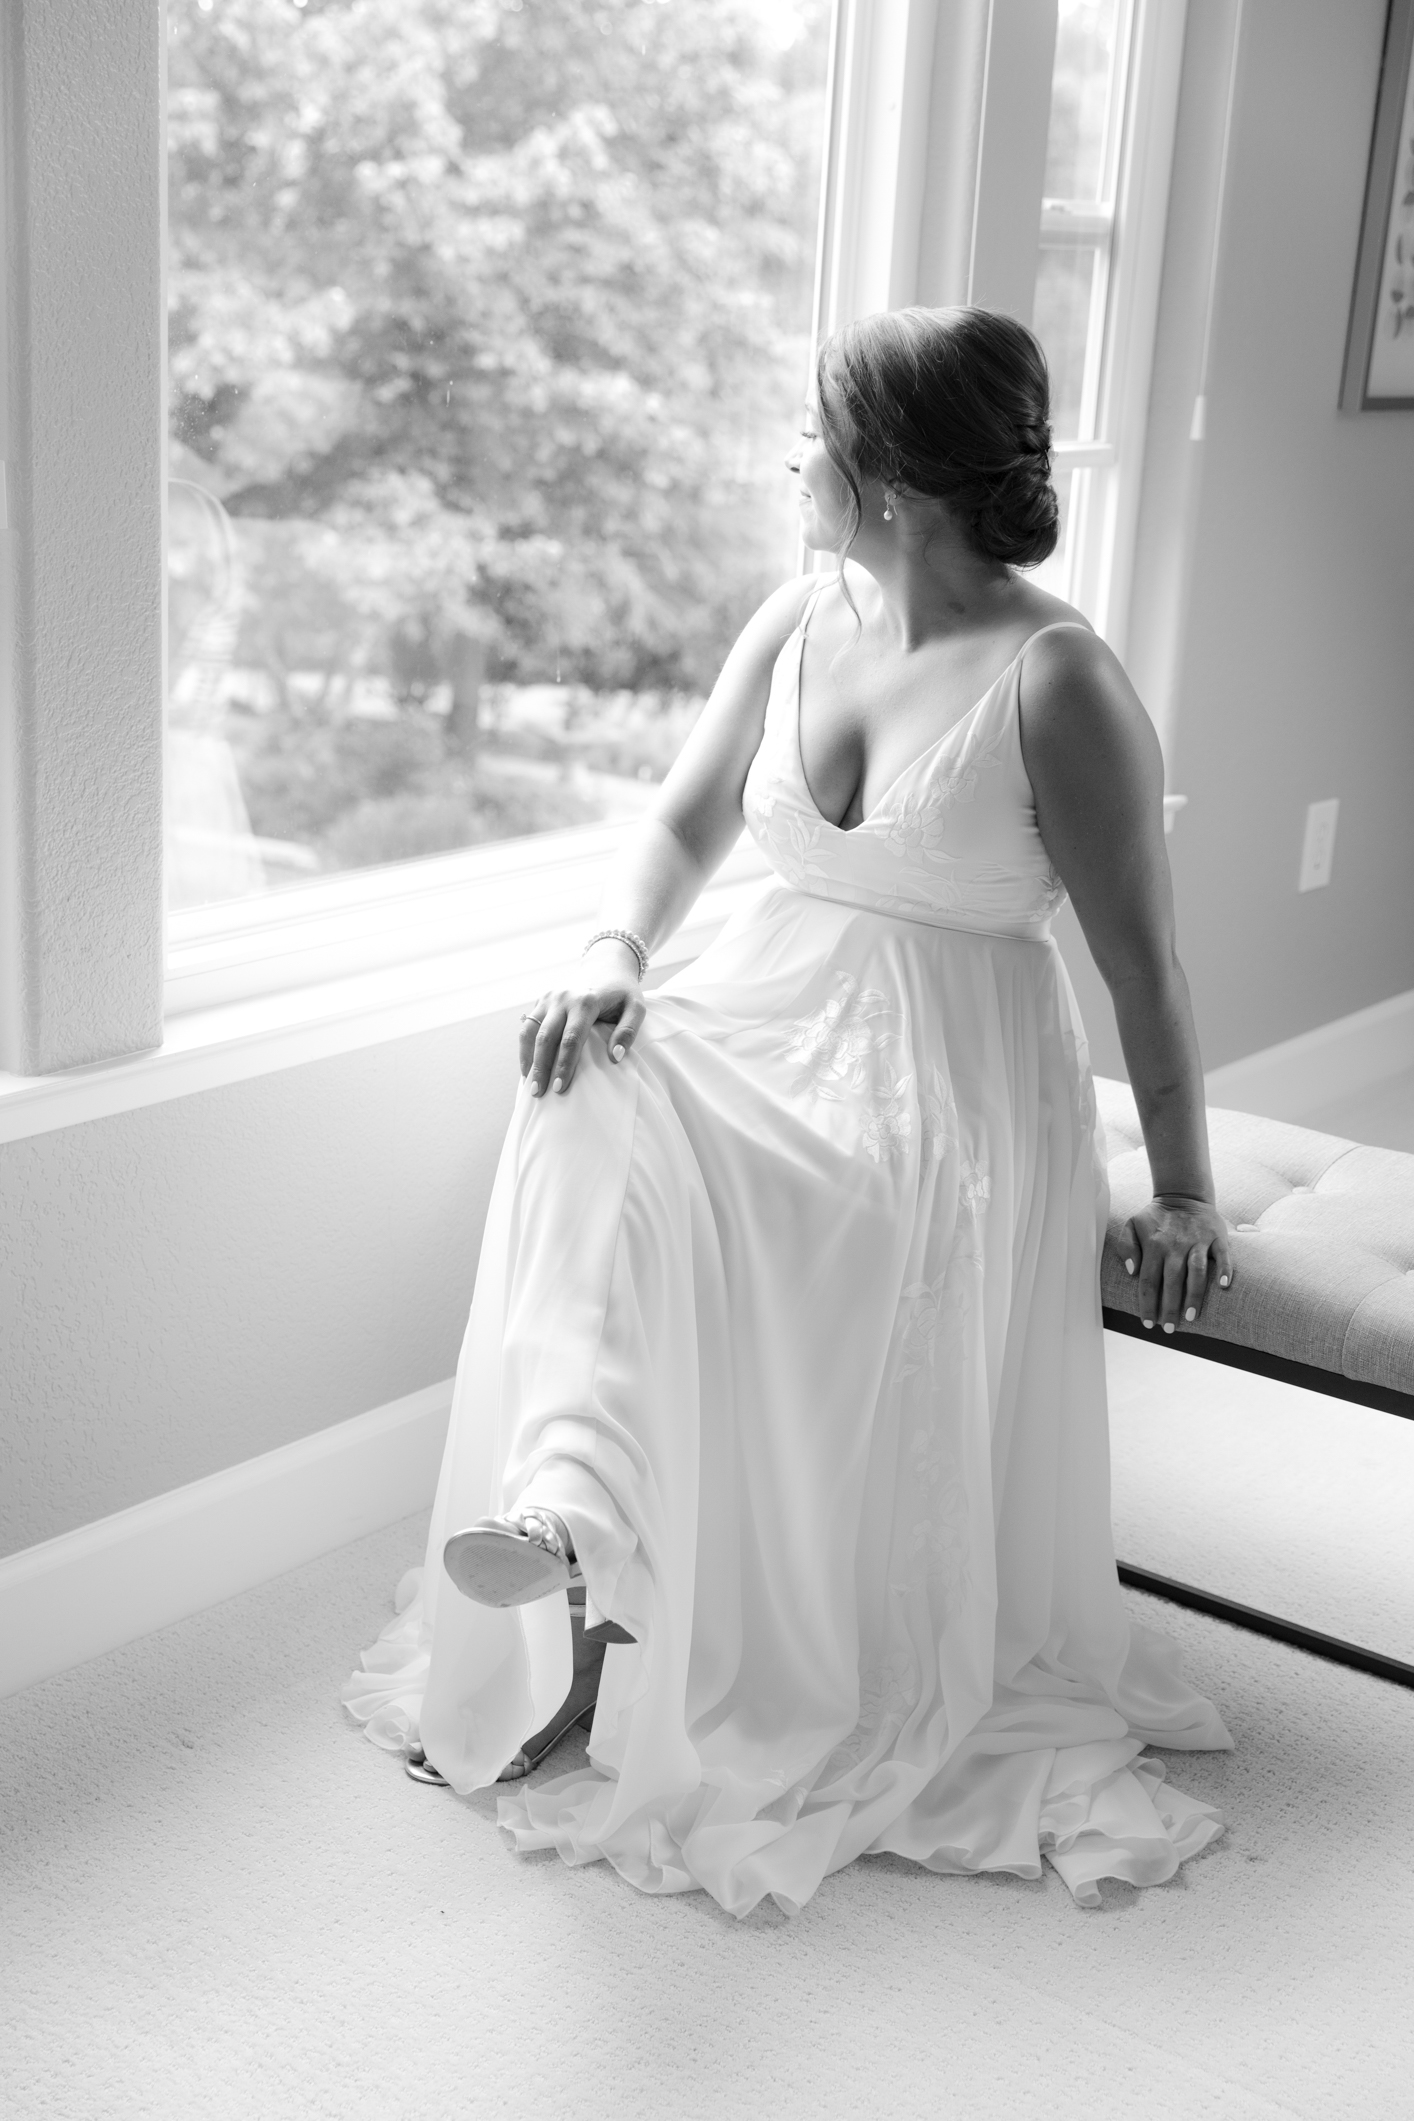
<point x="826" y="504"/>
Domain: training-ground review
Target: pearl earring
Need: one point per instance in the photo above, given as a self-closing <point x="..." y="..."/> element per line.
<point x="888" y="508"/>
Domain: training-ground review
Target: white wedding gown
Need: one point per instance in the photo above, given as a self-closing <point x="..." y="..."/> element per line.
<point x="795" y="1317"/>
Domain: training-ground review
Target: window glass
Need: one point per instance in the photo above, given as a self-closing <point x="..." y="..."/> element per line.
<point x="1086" y="38"/>
<point x="1065" y="290"/>
<point x="1077" y="211"/>
<point x="1054" y="573"/>
<point x="488" y="326"/>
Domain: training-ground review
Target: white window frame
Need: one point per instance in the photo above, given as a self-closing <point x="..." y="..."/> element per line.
<point x="922" y="97"/>
<point x="1107" y="463"/>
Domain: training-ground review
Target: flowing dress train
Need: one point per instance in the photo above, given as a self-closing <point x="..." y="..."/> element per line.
<point x="795" y="1317"/>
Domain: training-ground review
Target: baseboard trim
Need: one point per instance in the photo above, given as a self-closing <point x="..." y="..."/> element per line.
<point x="108" y="1583"/>
<point x="1297" y="1078"/>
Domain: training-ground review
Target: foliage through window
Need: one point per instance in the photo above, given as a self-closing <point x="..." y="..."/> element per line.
<point x="489" y="321"/>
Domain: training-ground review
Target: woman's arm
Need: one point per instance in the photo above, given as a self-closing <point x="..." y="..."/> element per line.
<point x="1098" y="777"/>
<point x="668" y="856"/>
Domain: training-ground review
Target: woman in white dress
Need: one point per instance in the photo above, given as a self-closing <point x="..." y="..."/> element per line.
<point x="786" y="1338"/>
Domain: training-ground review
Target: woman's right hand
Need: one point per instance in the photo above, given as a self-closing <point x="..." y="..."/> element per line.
<point x="553" y="1031"/>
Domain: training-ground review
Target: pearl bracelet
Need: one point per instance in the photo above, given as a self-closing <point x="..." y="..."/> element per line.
<point x="621" y="935"/>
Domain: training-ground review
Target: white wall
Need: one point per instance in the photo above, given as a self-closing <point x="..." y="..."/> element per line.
<point x="191" y="1284"/>
<point x="1273" y="629"/>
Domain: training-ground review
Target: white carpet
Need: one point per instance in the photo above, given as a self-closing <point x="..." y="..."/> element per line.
<point x="1277" y="1497"/>
<point x="221" y="1901"/>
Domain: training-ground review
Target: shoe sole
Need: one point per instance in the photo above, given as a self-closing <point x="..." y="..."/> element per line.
<point x="502" y="1568"/>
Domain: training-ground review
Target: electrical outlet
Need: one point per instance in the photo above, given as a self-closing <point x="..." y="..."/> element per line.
<point x="1318" y="846"/>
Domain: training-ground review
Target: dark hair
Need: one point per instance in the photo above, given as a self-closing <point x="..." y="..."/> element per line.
<point x="951" y="403"/>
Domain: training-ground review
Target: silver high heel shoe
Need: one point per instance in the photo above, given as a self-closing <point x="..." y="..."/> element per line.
<point x="573" y="1710"/>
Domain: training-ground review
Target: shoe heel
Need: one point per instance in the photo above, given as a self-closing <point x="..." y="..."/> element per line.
<point x="607" y="1631"/>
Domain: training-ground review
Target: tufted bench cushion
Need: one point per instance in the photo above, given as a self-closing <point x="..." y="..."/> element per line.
<point x="1322" y="1240"/>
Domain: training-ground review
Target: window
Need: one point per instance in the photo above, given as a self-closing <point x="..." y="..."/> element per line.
<point x="1077" y="234"/>
<point x="380" y="209"/>
<point x="488" y="325"/>
<point x="1108" y="152"/>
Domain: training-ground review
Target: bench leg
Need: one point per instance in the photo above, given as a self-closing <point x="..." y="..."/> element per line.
<point x="1331" y="1647"/>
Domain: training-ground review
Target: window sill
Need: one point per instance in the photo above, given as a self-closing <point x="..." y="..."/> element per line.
<point x="371" y="920"/>
<point x="357" y="963"/>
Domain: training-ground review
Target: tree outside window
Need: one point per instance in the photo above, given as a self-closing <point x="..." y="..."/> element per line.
<point x="489" y="324"/>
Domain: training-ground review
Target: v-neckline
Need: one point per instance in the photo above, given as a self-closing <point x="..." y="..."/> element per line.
<point x="872" y="812"/>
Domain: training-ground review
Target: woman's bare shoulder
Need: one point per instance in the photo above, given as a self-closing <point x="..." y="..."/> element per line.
<point x="753" y="654"/>
<point x="777" y="618"/>
<point x="1069" y="675"/>
<point x="1086" y="740"/>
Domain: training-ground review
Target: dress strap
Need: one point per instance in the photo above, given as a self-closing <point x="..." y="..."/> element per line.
<point x="807" y="609"/>
<point x="1076" y="625"/>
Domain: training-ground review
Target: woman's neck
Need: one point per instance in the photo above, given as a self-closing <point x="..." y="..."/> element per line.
<point x="931" y="584"/>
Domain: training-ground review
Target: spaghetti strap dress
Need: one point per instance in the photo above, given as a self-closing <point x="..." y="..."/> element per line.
<point x="794" y="1315"/>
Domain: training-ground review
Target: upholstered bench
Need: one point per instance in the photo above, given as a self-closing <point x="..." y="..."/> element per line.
<point x="1323" y="1296"/>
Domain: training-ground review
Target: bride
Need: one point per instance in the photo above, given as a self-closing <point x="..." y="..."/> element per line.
<point x="785" y="1359"/>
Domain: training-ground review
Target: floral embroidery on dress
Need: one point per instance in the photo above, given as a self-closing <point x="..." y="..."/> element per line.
<point x="1049" y="892"/>
<point x="920" y="1317"/>
<point x="834" y="1048"/>
<point x="938" y="1113"/>
<point x="757" y="804"/>
<point x="910" y="829"/>
<point x="934" y="1546"/>
<point x="937" y="1551"/>
<point x="888" y="1695"/>
<point x="926" y="1308"/>
<point x="833" y="1044"/>
<point x="974" y="1188"/>
<point x="889" y="1124"/>
<point x="915" y="826"/>
<point x="796" y="840"/>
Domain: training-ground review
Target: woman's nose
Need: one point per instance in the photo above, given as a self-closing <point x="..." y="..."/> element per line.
<point x="793" y="461"/>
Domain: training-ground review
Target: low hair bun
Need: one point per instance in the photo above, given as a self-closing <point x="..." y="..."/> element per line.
<point x="953" y="404"/>
<point x="1018" y="520"/>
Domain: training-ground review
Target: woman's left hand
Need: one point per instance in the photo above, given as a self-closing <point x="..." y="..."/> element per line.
<point x="1177" y="1249"/>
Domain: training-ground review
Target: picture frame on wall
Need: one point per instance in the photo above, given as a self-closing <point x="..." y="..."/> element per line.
<point x="1379" y="350"/>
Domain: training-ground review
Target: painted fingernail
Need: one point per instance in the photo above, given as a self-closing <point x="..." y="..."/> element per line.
<point x="1223" y="1280"/>
<point x="559" y="1085"/>
<point x="1148" y="1325"/>
<point x="1167" y="1328"/>
<point x="535" y="1089"/>
<point x="1190" y="1312"/>
<point x="619" y="1052"/>
<point x="1129" y="1266"/>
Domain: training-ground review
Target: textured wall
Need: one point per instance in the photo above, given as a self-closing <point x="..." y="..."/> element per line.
<point x="1274" y="620"/>
<point x="186" y="1286"/>
<point x="82" y="778"/>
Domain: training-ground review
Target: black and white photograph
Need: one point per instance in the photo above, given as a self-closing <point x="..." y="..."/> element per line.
<point x="707" y="1060"/>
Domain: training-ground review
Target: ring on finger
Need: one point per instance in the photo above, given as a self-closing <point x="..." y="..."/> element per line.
<point x="527" y="1018"/>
